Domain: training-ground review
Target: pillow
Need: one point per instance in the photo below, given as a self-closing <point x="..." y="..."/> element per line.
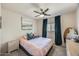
<point x="29" y="36"/>
<point x="35" y="36"/>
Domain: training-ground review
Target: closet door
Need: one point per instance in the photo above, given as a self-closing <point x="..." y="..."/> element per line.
<point x="58" y="38"/>
<point x="44" y="29"/>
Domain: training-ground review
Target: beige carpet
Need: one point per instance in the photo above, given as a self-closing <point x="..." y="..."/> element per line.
<point x="57" y="51"/>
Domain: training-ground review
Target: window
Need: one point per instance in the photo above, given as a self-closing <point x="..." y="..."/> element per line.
<point x="48" y="27"/>
<point x="51" y="27"/>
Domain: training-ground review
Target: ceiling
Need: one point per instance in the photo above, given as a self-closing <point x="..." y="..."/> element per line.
<point x="28" y="8"/>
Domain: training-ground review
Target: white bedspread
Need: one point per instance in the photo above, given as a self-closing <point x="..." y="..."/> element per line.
<point x="40" y="42"/>
<point x="38" y="46"/>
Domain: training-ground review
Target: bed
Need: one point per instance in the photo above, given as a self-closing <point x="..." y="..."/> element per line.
<point x="36" y="47"/>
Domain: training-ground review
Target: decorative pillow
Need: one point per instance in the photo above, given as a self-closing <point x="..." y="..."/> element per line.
<point x="35" y="36"/>
<point x="29" y="36"/>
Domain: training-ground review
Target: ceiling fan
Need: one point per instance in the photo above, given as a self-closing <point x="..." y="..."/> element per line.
<point x="42" y="13"/>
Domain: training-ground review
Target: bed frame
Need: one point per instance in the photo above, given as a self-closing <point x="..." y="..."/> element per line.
<point x="27" y="53"/>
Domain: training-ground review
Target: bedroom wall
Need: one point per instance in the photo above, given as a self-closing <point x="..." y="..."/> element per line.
<point x="12" y="25"/>
<point x="0" y="30"/>
<point x="77" y="18"/>
<point x="39" y="26"/>
<point x="68" y="20"/>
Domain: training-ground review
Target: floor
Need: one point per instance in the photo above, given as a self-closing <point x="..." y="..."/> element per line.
<point x="57" y="51"/>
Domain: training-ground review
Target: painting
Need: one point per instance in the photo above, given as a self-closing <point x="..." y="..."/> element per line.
<point x="26" y="24"/>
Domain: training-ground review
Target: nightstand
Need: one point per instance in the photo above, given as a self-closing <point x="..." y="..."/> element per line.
<point x="13" y="45"/>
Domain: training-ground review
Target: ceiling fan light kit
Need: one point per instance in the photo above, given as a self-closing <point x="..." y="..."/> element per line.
<point x="41" y="15"/>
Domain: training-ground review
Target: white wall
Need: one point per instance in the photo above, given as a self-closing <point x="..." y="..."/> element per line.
<point x="12" y="25"/>
<point x="68" y="20"/>
<point x="77" y="18"/>
<point x="0" y="30"/>
<point x="0" y="9"/>
<point x="39" y="26"/>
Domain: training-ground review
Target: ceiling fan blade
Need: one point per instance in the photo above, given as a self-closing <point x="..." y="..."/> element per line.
<point x="37" y="12"/>
<point x="47" y="14"/>
<point x="37" y="15"/>
<point x="46" y="10"/>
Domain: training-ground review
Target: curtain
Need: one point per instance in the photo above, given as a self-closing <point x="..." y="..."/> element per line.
<point x="58" y="38"/>
<point x="44" y="29"/>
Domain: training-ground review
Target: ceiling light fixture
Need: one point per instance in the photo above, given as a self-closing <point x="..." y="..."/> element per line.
<point x="41" y="15"/>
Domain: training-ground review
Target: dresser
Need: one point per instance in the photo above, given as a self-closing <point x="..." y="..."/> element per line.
<point x="72" y="48"/>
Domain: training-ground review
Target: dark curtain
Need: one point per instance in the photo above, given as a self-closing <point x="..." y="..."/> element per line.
<point x="58" y="38"/>
<point x="44" y="29"/>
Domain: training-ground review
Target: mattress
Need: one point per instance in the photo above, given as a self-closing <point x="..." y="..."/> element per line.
<point x="38" y="46"/>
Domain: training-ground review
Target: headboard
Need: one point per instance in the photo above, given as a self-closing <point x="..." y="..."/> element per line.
<point x="67" y="31"/>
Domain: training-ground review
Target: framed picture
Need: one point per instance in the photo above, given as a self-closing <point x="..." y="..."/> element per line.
<point x="26" y="24"/>
<point x="0" y="22"/>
